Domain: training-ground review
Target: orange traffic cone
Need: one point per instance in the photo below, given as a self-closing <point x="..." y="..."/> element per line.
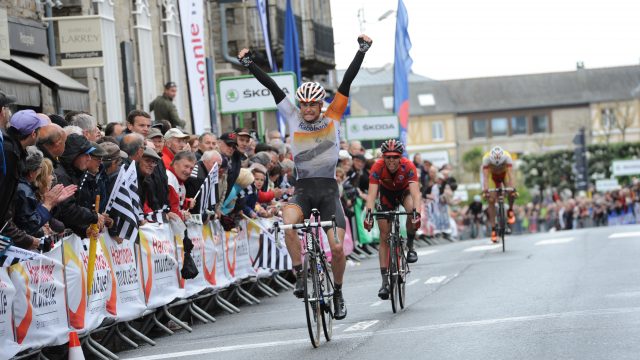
<point x="75" y="349"/>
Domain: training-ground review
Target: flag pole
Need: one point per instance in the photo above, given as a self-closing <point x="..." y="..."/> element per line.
<point x="93" y="240"/>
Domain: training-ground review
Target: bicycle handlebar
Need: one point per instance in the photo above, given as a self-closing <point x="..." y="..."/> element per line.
<point x="303" y="225"/>
<point x="391" y="213"/>
<point x="499" y="190"/>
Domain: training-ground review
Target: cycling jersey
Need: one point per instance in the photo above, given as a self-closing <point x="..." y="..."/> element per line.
<point x="498" y="173"/>
<point x="315" y="145"/>
<point x="397" y="181"/>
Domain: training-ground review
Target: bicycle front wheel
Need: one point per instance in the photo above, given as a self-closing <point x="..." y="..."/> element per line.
<point x="313" y="308"/>
<point x="393" y="275"/>
<point x="503" y="224"/>
<point x="403" y="270"/>
<point x="327" y="286"/>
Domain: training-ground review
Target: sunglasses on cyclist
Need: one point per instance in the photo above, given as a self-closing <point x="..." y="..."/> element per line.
<point x="392" y="157"/>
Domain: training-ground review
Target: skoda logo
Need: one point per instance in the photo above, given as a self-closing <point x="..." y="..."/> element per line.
<point x="231" y="95"/>
<point x="354" y="128"/>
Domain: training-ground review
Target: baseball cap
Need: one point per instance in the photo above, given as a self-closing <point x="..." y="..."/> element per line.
<point x="242" y="132"/>
<point x="6" y="99"/>
<point x="27" y="121"/>
<point x="175" y="133"/>
<point x="154" y="132"/>
<point x="98" y="150"/>
<point x="113" y="152"/>
<point x="170" y="84"/>
<point x="343" y="155"/>
<point x="359" y="157"/>
<point x="148" y="152"/>
<point x="229" y="138"/>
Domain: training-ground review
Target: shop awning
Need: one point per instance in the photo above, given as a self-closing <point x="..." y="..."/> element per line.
<point x="14" y="82"/>
<point x="72" y="94"/>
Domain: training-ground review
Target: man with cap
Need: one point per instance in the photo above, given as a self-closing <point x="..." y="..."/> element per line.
<point x="244" y="140"/>
<point x="155" y="135"/>
<point x="174" y="142"/>
<point x="96" y="181"/>
<point x="78" y="212"/>
<point x="111" y="162"/>
<point x="23" y="132"/>
<point x="228" y="144"/>
<point x="164" y="108"/>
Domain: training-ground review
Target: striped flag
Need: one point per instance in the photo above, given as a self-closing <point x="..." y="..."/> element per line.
<point x="270" y="256"/>
<point x="5" y="242"/>
<point x="14" y="255"/>
<point x="207" y="190"/>
<point x="246" y="191"/>
<point x="124" y="204"/>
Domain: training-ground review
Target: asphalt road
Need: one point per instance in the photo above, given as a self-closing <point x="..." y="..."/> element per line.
<point x="563" y="295"/>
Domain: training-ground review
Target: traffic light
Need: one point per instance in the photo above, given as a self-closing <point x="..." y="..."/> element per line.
<point x="580" y="167"/>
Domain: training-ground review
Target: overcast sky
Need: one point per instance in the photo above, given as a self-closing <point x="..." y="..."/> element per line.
<point x="455" y="39"/>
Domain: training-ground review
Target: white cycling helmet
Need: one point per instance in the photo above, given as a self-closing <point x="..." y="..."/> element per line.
<point x="310" y="92"/>
<point x="497" y="156"/>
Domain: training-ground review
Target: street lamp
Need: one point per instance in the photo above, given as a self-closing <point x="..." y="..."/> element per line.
<point x="386" y="15"/>
<point x="362" y="20"/>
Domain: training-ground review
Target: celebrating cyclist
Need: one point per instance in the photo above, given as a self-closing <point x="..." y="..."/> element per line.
<point x="315" y="146"/>
<point x="496" y="172"/>
<point x="395" y="178"/>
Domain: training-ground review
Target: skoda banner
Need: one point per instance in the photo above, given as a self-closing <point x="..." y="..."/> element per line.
<point x="246" y="94"/>
<point x="372" y="127"/>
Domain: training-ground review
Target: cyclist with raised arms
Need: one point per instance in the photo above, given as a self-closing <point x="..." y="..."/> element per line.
<point x="395" y="178"/>
<point x="497" y="171"/>
<point x="315" y="146"/>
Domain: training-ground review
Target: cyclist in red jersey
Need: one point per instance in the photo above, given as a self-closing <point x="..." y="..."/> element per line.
<point x="396" y="179"/>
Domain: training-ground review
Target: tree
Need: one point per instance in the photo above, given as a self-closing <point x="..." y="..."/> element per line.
<point x="625" y="114"/>
<point x="471" y="162"/>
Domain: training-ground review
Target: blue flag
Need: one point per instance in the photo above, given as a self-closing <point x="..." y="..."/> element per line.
<point x="401" y="68"/>
<point x="291" y="61"/>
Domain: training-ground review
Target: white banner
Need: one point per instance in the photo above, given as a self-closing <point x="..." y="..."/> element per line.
<point x="86" y="312"/>
<point x="607" y="185"/>
<point x="193" y="40"/>
<point x="159" y="265"/>
<point x="39" y="310"/>
<point x="245" y="93"/>
<point x="197" y="284"/>
<point x="236" y="250"/>
<point x="122" y="258"/>
<point x="8" y="345"/>
<point x="215" y="259"/>
<point x="626" y="167"/>
<point x="372" y="127"/>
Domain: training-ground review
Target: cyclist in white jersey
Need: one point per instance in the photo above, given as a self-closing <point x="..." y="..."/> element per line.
<point x="315" y="145"/>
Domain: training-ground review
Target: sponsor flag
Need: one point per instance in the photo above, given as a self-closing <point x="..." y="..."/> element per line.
<point x="401" y="69"/>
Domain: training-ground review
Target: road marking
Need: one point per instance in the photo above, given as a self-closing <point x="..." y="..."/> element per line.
<point x="386" y="332"/>
<point x="424" y="252"/>
<point x="554" y="241"/>
<point x="483" y="247"/>
<point x="377" y="303"/>
<point x="622" y="235"/>
<point x="435" y="279"/>
<point x="362" y="325"/>
<point x="413" y="282"/>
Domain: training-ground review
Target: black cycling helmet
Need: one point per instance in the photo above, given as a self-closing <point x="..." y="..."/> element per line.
<point x="392" y="146"/>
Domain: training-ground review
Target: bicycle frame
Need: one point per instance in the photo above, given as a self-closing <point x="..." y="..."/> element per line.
<point x="501" y="220"/>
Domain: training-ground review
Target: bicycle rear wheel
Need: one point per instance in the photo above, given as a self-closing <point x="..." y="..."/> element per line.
<point x="403" y="270"/>
<point x="327" y="286"/>
<point x="313" y="308"/>
<point x="393" y="275"/>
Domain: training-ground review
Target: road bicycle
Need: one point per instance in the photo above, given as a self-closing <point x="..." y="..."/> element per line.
<point x="398" y="266"/>
<point x="318" y="286"/>
<point x="501" y="219"/>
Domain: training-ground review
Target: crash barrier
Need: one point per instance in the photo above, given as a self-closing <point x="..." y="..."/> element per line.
<point x="44" y="299"/>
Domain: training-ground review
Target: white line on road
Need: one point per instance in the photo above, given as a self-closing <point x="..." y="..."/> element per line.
<point x="435" y="279"/>
<point x="424" y="252"/>
<point x="436" y="327"/>
<point x="483" y="247"/>
<point x="622" y="235"/>
<point x="413" y="282"/>
<point x="362" y="325"/>
<point x="377" y="303"/>
<point x="554" y="241"/>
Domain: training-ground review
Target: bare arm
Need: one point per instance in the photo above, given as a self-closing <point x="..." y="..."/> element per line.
<point x="371" y="196"/>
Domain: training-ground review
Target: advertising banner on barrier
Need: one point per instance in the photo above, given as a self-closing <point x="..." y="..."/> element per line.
<point x="8" y="345"/>
<point x="159" y="265"/>
<point x="39" y="310"/>
<point x="197" y="284"/>
<point x="215" y="269"/>
<point x="87" y="312"/>
<point x="237" y="253"/>
<point x="130" y="302"/>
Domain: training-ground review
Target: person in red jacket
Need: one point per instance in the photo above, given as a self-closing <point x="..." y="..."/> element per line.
<point x="177" y="173"/>
<point x="174" y="142"/>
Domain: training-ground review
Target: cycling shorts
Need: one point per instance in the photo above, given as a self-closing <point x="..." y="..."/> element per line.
<point x="391" y="200"/>
<point x="322" y="194"/>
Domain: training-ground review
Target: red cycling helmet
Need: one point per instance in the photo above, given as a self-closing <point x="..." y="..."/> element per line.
<point x="392" y="146"/>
